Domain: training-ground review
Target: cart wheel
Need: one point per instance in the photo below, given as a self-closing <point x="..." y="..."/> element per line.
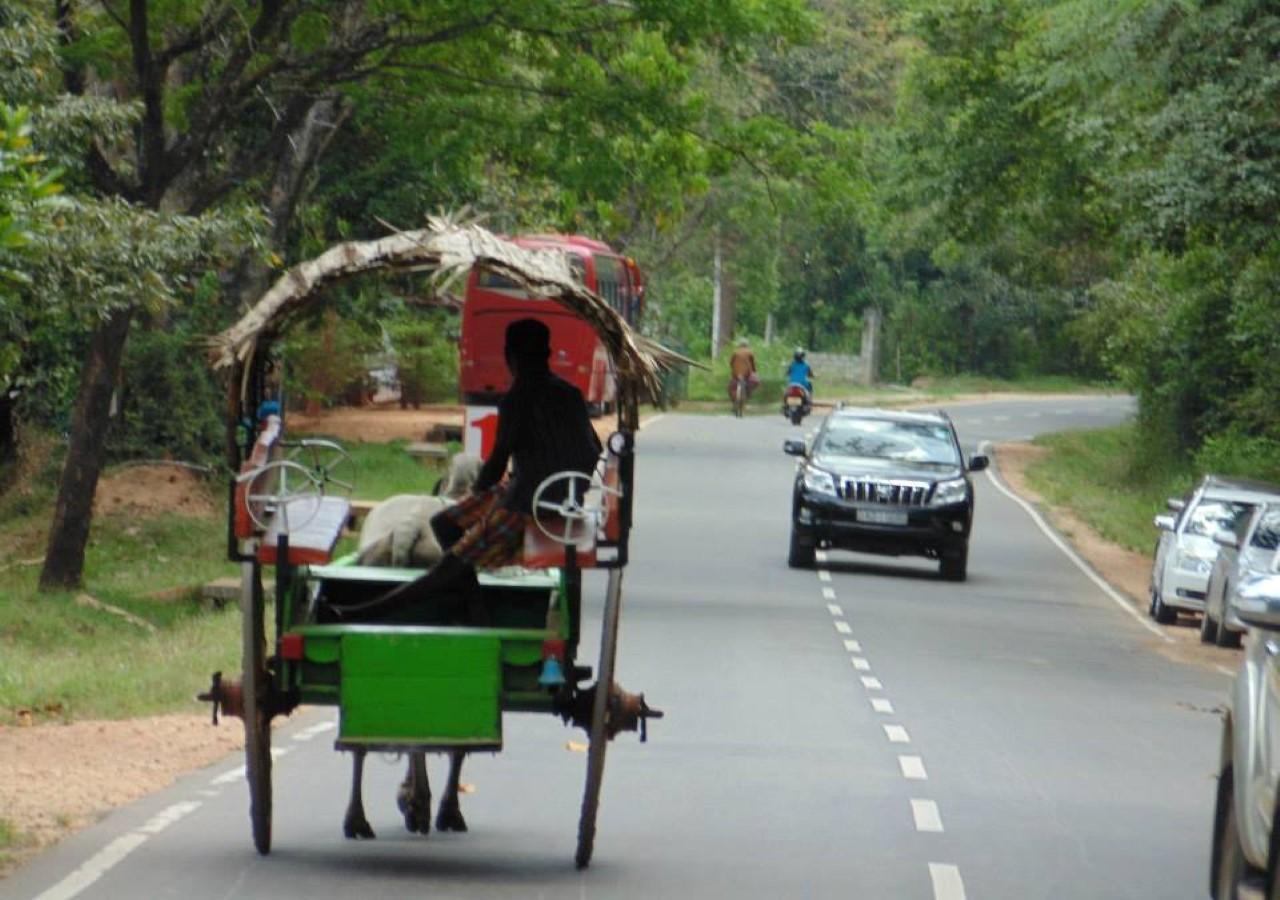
<point x="257" y="718"/>
<point x="332" y="465"/>
<point x="599" y="737"/>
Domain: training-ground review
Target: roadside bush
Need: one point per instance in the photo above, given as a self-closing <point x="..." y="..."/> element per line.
<point x="1241" y="455"/>
<point x="325" y="363"/>
<point x="170" y="404"/>
<point x="426" y="358"/>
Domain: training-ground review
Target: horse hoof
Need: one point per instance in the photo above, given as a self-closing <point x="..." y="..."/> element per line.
<point x="449" y="818"/>
<point x="357" y="829"/>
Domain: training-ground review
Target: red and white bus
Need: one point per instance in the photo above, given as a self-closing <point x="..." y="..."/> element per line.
<point x="577" y="356"/>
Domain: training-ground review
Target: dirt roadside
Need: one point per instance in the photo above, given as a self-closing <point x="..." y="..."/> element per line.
<point x="56" y="779"/>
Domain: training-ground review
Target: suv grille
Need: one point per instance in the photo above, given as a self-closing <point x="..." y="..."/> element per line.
<point x="890" y="493"/>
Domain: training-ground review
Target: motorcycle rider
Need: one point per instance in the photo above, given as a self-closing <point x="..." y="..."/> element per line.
<point x="799" y="372"/>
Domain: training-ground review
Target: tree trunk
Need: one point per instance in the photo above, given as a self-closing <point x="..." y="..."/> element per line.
<point x="64" y="559"/>
<point x="8" y="433"/>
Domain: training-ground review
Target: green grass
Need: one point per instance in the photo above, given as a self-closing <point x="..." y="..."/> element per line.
<point x="63" y="660"/>
<point x="1110" y="480"/>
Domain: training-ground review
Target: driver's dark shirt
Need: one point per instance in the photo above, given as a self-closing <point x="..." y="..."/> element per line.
<point x="543" y="428"/>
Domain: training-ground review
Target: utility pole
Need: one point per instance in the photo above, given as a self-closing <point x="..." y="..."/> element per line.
<point x="717" y="297"/>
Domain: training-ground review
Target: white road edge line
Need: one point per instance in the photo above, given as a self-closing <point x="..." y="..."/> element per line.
<point x="113" y="853"/>
<point x="1072" y="555"/>
<point x="913" y="768"/>
<point x="927" y="816"/>
<point x="946" y="881"/>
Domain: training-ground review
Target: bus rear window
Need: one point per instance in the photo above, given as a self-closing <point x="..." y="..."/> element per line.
<point x="489" y="279"/>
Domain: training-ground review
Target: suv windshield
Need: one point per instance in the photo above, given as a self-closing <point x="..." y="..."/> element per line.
<point x="1267" y="535"/>
<point x="1212" y="516"/>
<point x="923" y="442"/>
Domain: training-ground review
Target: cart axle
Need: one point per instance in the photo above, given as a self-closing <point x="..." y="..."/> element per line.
<point x="227" y="694"/>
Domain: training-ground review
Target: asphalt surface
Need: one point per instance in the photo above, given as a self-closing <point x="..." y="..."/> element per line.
<point x="866" y="730"/>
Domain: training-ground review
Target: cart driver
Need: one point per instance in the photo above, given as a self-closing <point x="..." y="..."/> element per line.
<point x="543" y="429"/>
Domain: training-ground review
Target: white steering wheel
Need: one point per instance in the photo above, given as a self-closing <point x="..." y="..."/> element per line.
<point x="581" y="517"/>
<point x="284" y="494"/>
<point x="331" y="464"/>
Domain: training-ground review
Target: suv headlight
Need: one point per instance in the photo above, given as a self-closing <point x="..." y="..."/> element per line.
<point x="1190" y="562"/>
<point x="819" y="482"/>
<point x="946" y="492"/>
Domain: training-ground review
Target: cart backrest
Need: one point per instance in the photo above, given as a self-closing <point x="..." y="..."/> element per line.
<point x="541" y="552"/>
<point x="265" y="449"/>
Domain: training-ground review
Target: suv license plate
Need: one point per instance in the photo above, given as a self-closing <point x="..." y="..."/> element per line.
<point x="882" y="516"/>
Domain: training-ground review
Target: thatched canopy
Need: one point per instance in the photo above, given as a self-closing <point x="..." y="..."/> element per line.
<point x="447" y="251"/>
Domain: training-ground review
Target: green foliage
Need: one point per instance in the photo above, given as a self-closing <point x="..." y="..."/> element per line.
<point x="426" y="358"/>
<point x="326" y="363"/>
<point x="168" y="407"/>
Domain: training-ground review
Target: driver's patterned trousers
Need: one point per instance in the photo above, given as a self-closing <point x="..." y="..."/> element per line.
<point x="491" y="535"/>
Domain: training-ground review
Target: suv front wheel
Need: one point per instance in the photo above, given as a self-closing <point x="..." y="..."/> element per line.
<point x="801" y="554"/>
<point x="955" y="563"/>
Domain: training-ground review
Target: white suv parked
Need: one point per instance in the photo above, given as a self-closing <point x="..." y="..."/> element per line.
<point x="1186" y="550"/>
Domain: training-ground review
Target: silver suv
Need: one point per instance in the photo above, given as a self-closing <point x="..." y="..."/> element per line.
<point x="1245" y="556"/>
<point x="1245" y="842"/>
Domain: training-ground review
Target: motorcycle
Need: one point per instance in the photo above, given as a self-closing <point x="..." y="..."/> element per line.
<point x="796" y="403"/>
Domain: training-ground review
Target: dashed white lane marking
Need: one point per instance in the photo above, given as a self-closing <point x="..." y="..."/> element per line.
<point x="1071" y="554"/>
<point x="109" y="856"/>
<point x="897" y="734"/>
<point x="946" y="881"/>
<point x="871" y="684"/>
<point x="834" y="609"/>
<point x="852" y="646"/>
<point x="913" y="768"/>
<point x="1225" y="671"/>
<point x="861" y="664"/>
<point x="820" y="555"/>
<point x="999" y="418"/>
<point x="1033" y="415"/>
<point x="843" y="627"/>
<point x="824" y="575"/>
<point x="881" y="705"/>
<point x="206" y="792"/>
<point x="927" y="816"/>
<point x="828" y="593"/>
<point x="319" y="728"/>
<point x="645" y="423"/>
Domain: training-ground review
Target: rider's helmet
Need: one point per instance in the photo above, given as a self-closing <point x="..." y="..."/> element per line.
<point x="799" y="354"/>
<point x="743" y="342"/>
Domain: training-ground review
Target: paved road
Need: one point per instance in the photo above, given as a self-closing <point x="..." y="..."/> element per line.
<point x="864" y="731"/>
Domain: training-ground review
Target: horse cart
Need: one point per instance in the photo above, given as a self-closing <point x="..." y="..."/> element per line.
<point x="423" y="686"/>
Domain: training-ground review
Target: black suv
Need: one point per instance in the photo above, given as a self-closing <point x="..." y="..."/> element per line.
<point x="881" y="481"/>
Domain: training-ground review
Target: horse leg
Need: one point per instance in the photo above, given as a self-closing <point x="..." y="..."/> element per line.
<point x="354" y="824"/>
<point x="414" y="796"/>
<point x="449" y="815"/>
